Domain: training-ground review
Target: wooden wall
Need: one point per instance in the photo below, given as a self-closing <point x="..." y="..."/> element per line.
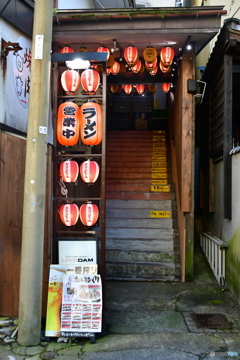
<point x="12" y="165"/>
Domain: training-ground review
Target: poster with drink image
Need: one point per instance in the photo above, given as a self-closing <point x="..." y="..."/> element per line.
<point x="81" y="304"/>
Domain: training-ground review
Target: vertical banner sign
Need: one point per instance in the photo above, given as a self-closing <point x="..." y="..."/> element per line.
<point x="55" y="286"/>
<point x="81" y="305"/>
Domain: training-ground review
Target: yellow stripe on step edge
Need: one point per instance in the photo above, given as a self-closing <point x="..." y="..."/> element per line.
<point x="160" y="214"/>
<point x="159" y="175"/>
<point x="159" y="164"/>
<point x="159" y="182"/>
<point x="160" y="188"/>
<point x="159" y="169"/>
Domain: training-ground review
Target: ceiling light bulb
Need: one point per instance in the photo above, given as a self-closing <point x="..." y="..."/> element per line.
<point x="189" y="46"/>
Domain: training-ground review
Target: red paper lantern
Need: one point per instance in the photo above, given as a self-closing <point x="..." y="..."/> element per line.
<point x="66" y="49"/>
<point x="91" y="123"/>
<point x="127" y="88"/>
<point x="89" y="171"/>
<point x="166" y="87"/>
<point x="104" y="49"/>
<point x="136" y="68"/>
<point x="166" y="56"/>
<point x="131" y="55"/>
<point x="109" y="70"/>
<point x="153" y="71"/>
<point x="89" y="214"/>
<point x="68" y="122"/>
<point x="151" y="65"/>
<point x="115" y="68"/>
<point x="69" y="214"/>
<point x="70" y="81"/>
<point x="69" y="170"/>
<point x="164" y="69"/>
<point x="90" y="80"/>
<point x="140" y="88"/>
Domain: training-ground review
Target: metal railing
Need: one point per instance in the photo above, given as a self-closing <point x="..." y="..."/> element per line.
<point x="214" y="250"/>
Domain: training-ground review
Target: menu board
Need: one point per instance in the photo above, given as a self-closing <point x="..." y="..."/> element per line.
<point x="81" y="304"/>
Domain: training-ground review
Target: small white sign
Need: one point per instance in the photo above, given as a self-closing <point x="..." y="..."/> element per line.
<point x="38" y="47"/>
<point x="43" y="129"/>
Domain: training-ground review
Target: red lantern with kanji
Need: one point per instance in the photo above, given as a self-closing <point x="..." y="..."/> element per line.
<point x="68" y="123"/>
<point x="153" y="71"/>
<point x="89" y="171"/>
<point x="91" y="123"/>
<point x="89" y="214"/>
<point x="70" y="81"/>
<point x="115" y="68"/>
<point x="66" y="49"/>
<point x="127" y="88"/>
<point x="164" y="69"/>
<point x="69" y="170"/>
<point x="140" y="88"/>
<point x="69" y="214"/>
<point x="131" y="55"/>
<point x="90" y="80"/>
<point x="136" y="68"/>
<point x="166" y="87"/>
<point x="104" y="49"/>
<point x="166" y="56"/>
<point x="151" y="65"/>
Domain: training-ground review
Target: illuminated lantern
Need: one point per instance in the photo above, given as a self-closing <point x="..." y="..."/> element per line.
<point x="152" y="87"/>
<point x="115" y="68"/>
<point x="151" y="65"/>
<point x="104" y="49"/>
<point x="110" y="61"/>
<point x="68" y="123"/>
<point x="142" y="69"/>
<point x="66" y="49"/>
<point x="90" y="80"/>
<point x="153" y="71"/>
<point x="166" y="87"/>
<point x="91" y="123"/>
<point x="70" y="81"/>
<point x="109" y="71"/>
<point x="136" y="68"/>
<point x="127" y="88"/>
<point x="114" y="88"/>
<point x="69" y="170"/>
<point x="149" y="54"/>
<point x="89" y="214"/>
<point x="122" y="68"/>
<point x="164" y="69"/>
<point x="69" y="214"/>
<point x="82" y="49"/>
<point x="131" y="55"/>
<point x="140" y="88"/>
<point x="89" y="171"/>
<point x="166" y="56"/>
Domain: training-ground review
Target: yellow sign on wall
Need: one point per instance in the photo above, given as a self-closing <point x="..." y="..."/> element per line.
<point x="160" y="182"/>
<point x="160" y="153"/>
<point x="159" y="164"/>
<point x="159" y="169"/>
<point x="160" y="188"/>
<point x="159" y="175"/>
<point x="160" y="214"/>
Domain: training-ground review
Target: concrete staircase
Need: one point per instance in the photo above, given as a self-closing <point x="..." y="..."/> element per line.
<point x="141" y="234"/>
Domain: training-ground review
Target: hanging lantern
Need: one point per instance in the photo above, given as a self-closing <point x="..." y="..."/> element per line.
<point x="91" y="123"/>
<point x="152" y="87"/>
<point x="122" y="68"/>
<point x="136" y="68"/>
<point x="68" y="123"/>
<point x="131" y="55"/>
<point x="114" y="88"/>
<point x="166" y="56"/>
<point x="70" y="81"/>
<point x="127" y="88"/>
<point x="142" y="69"/>
<point x="69" y="171"/>
<point x="90" y="80"/>
<point x="140" y="88"/>
<point x="98" y="68"/>
<point x="89" y="214"/>
<point x="115" y="68"/>
<point x="153" y="71"/>
<point x="104" y="49"/>
<point x="82" y="49"/>
<point x="66" y="49"/>
<point x="69" y="214"/>
<point x="152" y="65"/>
<point x="89" y="171"/>
<point x="109" y="71"/>
<point x="164" y="69"/>
<point x="110" y="61"/>
<point x="166" y="87"/>
<point x="149" y="54"/>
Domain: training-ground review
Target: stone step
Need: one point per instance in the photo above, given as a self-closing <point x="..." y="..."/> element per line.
<point x="136" y="175"/>
<point x="140" y="233"/>
<point x="137" y="163"/>
<point x="130" y="214"/>
<point x="134" y="181"/>
<point x="134" y="158"/>
<point x="128" y="195"/>
<point x="150" y="223"/>
<point x="136" y="187"/>
<point x="114" y="255"/>
<point x="136" y="148"/>
<point x="134" y="141"/>
<point x="134" y="133"/>
<point x="139" y="204"/>
<point x="148" y="168"/>
<point x="127" y="244"/>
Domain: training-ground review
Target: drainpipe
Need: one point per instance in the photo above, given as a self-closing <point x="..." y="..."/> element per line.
<point x="30" y="301"/>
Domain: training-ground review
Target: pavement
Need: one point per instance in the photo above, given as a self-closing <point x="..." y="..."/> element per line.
<point x="152" y="321"/>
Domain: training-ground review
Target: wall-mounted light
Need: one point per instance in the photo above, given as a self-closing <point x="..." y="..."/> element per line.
<point x="115" y="47"/>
